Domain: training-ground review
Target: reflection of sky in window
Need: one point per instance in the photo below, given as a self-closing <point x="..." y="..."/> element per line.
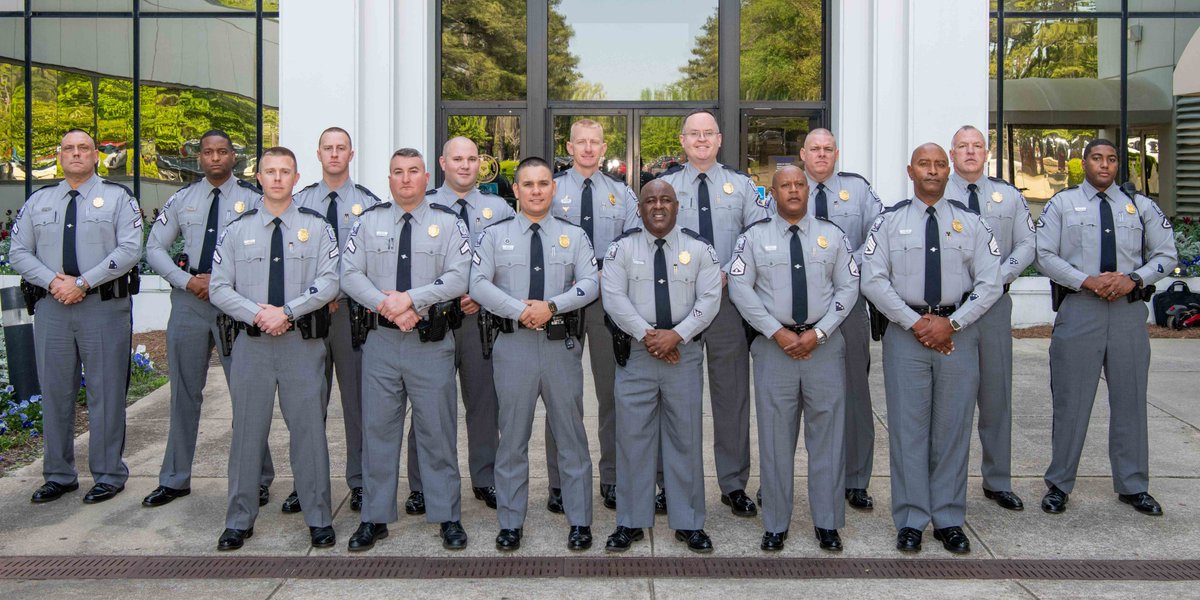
<point x="629" y="45"/>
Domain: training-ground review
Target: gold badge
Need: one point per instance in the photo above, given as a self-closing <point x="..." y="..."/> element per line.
<point x="957" y="225"/>
<point x="1131" y="209"/>
<point x="997" y="197"/>
<point x="728" y="187"/>
<point x="844" y="195"/>
<point x="98" y="202"/>
<point x="302" y="235"/>
<point x="356" y="209"/>
<point x="564" y="241"/>
<point x="612" y="199"/>
<point x="685" y="257"/>
<point x="434" y="230"/>
<point x="822" y="242"/>
<point x="487" y="213"/>
<point x="239" y="207"/>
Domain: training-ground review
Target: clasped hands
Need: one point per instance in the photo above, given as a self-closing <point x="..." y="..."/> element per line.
<point x="798" y="346"/>
<point x="663" y="344"/>
<point x="63" y="288"/>
<point x="934" y="332"/>
<point x="1111" y="286"/>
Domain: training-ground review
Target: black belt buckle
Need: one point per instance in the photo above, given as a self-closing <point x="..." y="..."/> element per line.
<point x="556" y="328"/>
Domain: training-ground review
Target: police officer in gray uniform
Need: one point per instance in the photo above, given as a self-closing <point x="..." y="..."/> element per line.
<point x="528" y="270"/>
<point x="401" y="259"/>
<point x="1102" y="248"/>
<point x="931" y="266"/>
<point x="272" y="269"/>
<point x="659" y="389"/>
<point x="77" y="241"/>
<point x="341" y="201"/>
<point x="199" y="212"/>
<point x="604" y="207"/>
<point x="848" y="200"/>
<point x="794" y="280"/>
<point x="1004" y="209"/>
<point x="717" y="202"/>
<point x="477" y="209"/>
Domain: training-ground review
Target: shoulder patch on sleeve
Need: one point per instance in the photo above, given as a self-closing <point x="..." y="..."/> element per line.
<point x="740" y="245"/>
<point x="853" y="268"/>
<point x="612" y="251"/>
<point x="737" y="268"/>
<point x="712" y="253"/>
<point x="762" y="220"/>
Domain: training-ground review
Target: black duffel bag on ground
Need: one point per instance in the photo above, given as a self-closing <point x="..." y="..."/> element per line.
<point x="1170" y="304"/>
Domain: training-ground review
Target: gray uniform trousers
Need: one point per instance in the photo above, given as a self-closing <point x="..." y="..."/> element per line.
<point x="729" y="394"/>
<point x="860" y="415"/>
<point x="191" y="335"/>
<point x="479" y="402"/>
<point x="399" y="370"/>
<point x="995" y="394"/>
<point x="293" y="367"/>
<point x="342" y="357"/>
<point x="784" y="390"/>
<point x="1090" y="333"/>
<point x="930" y="405"/>
<point x="528" y="365"/>
<point x="660" y="412"/>
<point x="600" y="353"/>
<point x="96" y="334"/>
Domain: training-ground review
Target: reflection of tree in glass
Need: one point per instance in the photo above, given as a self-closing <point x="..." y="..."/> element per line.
<point x="173" y="117"/>
<point x="614" y="136"/>
<point x="1051" y="48"/>
<point x="699" y="81"/>
<point x="660" y="141"/>
<point x="781" y="50"/>
<point x="483" y="50"/>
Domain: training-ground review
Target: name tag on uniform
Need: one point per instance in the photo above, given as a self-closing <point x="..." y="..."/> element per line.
<point x="381" y="233"/>
<point x="638" y="262"/>
<point x="769" y="248"/>
<point x="905" y="231"/>
<point x="190" y="209"/>
<point x="506" y="246"/>
<point x="247" y="242"/>
<point x="1080" y="209"/>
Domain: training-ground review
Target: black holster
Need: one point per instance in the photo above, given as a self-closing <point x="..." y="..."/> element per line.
<point x="32" y="293"/>
<point x="1143" y="294"/>
<point x="879" y="322"/>
<point x="622" y="342"/>
<point x="751" y="332"/>
<point x="122" y="287"/>
<point x="1058" y="293"/>
<point x="314" y="325"/>
<point x="227" y="327"/>
<point x="489" y="330"/>
<point x="362" y="321"/>
<point x="443" y="317"/>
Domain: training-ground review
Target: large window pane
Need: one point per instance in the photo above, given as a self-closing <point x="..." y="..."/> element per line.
<point x="12" y="117"/>
<point x="658" y="144"/>
<point x="499" y="141"/>
<point x="773" y="142"/>
<point x="270" y="77"/>
<point x="84" y="5"/>
<point x="206" y="5"/>
<point x="1061" y="5"/>
<point x="483" y="50"/>
<point x="633" y="50"/>
<point x="782" y="36"/>
<point x="614" y="136"/>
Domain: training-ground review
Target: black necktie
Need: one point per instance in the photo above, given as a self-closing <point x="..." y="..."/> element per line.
<point x="1108" y="236"/>
<point x="331" y="215"/>
<point x="706" y="230"/>
<point x="799" y="280"/>
<point x="585" y="217"/>
<point x="537" y="270"/>
<point x="933" y="261"/>
<point x="973" y="199"/>
<point x="822" y="202"/>
<point x="275" y="283"/>
<point x="70" y="262"/>
<point x="210" y="233"/>
<point x="462" y="212"/>
<point x="404" y="265"/>
<point x="662" y="288"/>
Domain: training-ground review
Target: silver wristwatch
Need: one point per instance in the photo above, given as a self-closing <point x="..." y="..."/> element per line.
<point x="821" y="337"/>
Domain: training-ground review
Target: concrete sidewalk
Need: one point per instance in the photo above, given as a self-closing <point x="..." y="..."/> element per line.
<point x="1096" y="526"/>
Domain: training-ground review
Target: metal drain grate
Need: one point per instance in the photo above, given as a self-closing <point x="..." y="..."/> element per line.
<point x="250" y="567"/>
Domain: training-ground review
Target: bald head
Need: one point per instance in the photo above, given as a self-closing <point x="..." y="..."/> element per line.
<point x="460" y="164"/>
<point x="929" y="170"/>
<point x="819" y="154"/>
<point x="658" y="206"/>
<point x="789" y="187"/>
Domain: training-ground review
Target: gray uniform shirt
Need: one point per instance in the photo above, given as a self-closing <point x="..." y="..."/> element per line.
<point x="483" y="209"/>
<point x="732" y="196"/>
<point x="500" y="278"/>
<point x="893" y="269"/>
<point x="186" y="214"/>
<point x="1068" y="236"/>
<point x="441" y="255"/>
<point x="352" y="200"/>
<point x="1005" y="210"/>
<point x="242" y="263"/>
<point x="614" y="206"/>
<point x="852" y="205"/>
<point x="694" y="282"/>
<point x="108" y="236"/>
<point x="760" y="275"/>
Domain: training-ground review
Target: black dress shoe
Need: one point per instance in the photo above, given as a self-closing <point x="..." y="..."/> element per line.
<point x="232" y="539"/>
<point x="609" y="494"/>
<point x="487" y="494"/>
<point x="773" y="541"/>
<point x="859" y="498"/>
<point x="415" y="505"/>
<point x="366" y="535"/>
<point x="164" y="495"/>
<point x="579" y="538"/>
<point x="622" y="538"/>
<point x="953" y="539"/>
<point x="291" y="504"/>
<point x="264" y="494"/>
<point x="356" y="499"/>
<point x="1143" y="503"/>
<point x="697" y="541"/>
<point x="554" y="502"/>
<point x="1055" y="500"/>
<point x="453" y="535"/>
<point x="908" y="540"/>
<point x="660" y="503"/>
<point x="101" y="492"/>
<point x="829" y="539"/>
<point x="52" y="490"/>
<point x="739" y="503"/>
<point x="508" y="540"/>
<point x="322" y="537"/>
<point x="1007" y="500"/>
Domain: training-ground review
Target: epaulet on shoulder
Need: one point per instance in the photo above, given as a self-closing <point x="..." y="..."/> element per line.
<point x="309" y="186"/>
<point x="674" y="169"/>
<point x="627" y="233"/>
<point x="504" y="220"/>
<point x="1064" y="190"/>
<point x="747" y="228"/>
<point x="180" y="189"/>
<point x="614" y="177"/>
<point x="1002" y="181"/>
<point x="828" y="220"/>
<point x="566" y="221"/>
<point x="693" y="234"/>
<point x="375" y="206"/>
<point x="48" y="185"/>
<point x="252" y="187"/>
<point x="1130" y="189"/>
<point x="109" y="182"/>
<point x="854" y="175"/>
<point x="444" y="209"/>
<point x="432" y="192"/>
<point x="252" y="211"/>
<point x="895" y="207"/>
<point x="738" y="171"/>
<point x="962" y="206"/>
<point x="561" y="173"/>
<point x="362" y="188"/>
<point x="308" y="211"/>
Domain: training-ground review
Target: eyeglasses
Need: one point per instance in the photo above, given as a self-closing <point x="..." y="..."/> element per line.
<point x="700" y="135"/>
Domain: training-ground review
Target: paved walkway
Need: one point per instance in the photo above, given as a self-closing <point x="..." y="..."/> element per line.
<point x="1095" y="527"/>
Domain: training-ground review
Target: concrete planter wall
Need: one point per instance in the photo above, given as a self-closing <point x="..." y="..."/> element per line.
<point x="1031" y="299"/>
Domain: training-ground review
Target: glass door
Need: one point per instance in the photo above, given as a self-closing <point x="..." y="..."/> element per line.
<point x="501" y="146"/>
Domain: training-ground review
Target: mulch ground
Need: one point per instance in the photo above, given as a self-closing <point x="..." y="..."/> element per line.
<point x="1043" y="331"/>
